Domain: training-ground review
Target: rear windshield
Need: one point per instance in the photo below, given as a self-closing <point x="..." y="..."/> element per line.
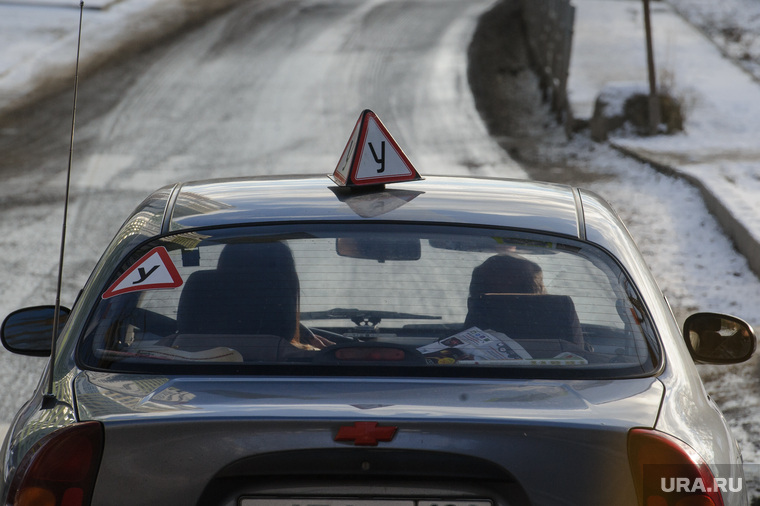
<point x="386" y="300"/>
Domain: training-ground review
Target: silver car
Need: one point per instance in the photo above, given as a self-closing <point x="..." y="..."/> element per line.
<point x="446" y="341"/>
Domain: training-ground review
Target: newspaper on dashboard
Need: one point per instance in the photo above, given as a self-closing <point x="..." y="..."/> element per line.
<point x="475" y="345"/>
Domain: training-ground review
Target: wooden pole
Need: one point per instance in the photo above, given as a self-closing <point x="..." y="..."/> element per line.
<point x="654" y="101"/>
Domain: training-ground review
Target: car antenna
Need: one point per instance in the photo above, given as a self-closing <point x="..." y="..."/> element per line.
<point x="49" y="397"/>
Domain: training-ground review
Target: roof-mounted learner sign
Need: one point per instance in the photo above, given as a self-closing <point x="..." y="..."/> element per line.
<point x="372" y="156"/>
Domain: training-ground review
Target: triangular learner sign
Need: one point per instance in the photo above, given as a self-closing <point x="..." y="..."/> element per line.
<point x="153" y="271"/>
<point x="372" y="156"/>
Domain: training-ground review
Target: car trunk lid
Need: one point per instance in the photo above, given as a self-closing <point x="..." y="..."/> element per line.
<point x="278" y="437"/>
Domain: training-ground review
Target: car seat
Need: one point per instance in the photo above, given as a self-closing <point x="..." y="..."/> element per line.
<point x="526" y="316"/>
<point x="253" y="290"/>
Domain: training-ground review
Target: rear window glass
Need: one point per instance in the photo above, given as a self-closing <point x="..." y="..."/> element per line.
<point x="386" y="299"/>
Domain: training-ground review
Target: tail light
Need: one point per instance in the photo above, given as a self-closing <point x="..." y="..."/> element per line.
<point x="668" y="472"/>
<point x="60" y="470"/>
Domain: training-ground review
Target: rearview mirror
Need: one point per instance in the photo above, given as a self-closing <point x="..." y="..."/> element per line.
<point x="29" y="331"/>
<point x="718" y="339"/>
<point x="378" y="249"/>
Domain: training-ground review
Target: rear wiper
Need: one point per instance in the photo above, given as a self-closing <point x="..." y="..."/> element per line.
<point x="363" y="317"/>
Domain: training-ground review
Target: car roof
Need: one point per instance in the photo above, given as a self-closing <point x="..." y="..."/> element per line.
<point x="520" y="204"/>
<point x="449" y="200"/>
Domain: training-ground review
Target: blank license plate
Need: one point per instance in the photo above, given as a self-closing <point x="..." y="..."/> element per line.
<point x="329" y="501"/>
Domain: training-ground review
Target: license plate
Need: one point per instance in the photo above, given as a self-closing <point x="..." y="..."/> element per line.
<point x="331" y="501"/>
<point x="314" y="501"/>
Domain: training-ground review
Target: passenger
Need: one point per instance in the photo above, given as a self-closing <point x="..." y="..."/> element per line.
<point x="507" y="274"/>
<point x="497" y="301"/>
<point x="500" y="275"/>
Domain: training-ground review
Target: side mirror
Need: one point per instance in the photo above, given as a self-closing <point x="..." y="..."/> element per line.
<point x="29" y="331"/>
<point x="718" y="339"/>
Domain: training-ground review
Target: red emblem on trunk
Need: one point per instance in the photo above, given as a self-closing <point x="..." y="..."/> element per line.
<point x="365" y="433"/>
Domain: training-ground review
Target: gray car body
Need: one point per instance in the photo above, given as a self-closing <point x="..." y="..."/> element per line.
<point x="166" y="436"/>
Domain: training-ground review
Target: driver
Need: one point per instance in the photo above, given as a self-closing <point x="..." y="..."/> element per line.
<point x="275" y="273"/>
